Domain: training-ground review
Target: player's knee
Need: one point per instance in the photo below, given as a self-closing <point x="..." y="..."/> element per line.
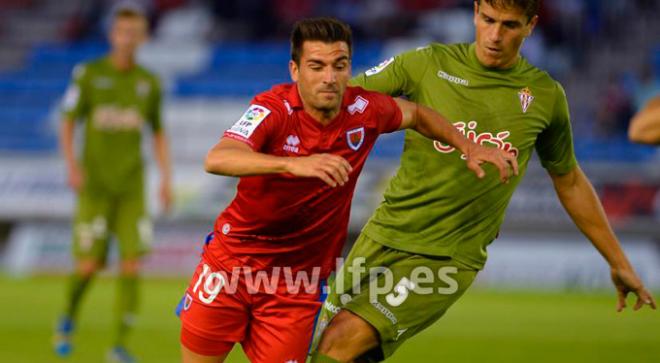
<point x="87" y="268"/>
<point x="347" y="337"/>
<point x="130" y="267"/>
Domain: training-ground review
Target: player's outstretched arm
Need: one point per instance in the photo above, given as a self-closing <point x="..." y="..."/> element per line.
<point x="235" y="158"/>
<point x="74" y="174"/>
<point x="578" y="197"/>
<point x="434" y="126"/>
<point x="645" y="126"/>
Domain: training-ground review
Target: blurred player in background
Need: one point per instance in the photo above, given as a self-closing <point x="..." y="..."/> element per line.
<point x="115" y="99"/>
<point x="299" y="150"/>
<point x="645" y="125"/>
<point x="434" y="215"/>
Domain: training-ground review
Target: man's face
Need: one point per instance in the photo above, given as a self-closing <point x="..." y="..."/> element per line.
<point x="500" y="33"/>
<point x="127" y="34"/>
<point x="322" y="74"/>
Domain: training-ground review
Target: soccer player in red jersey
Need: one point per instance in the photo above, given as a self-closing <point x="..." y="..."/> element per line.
<point x="298" y="149"/>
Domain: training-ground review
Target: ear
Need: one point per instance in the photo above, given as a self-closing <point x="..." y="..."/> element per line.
<point x="532" y="25"/>
<point x="293" y="70"/>
<point x="476" y="12"/>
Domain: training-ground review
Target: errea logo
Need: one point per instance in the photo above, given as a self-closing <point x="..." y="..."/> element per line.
<point x="292" y="142"/>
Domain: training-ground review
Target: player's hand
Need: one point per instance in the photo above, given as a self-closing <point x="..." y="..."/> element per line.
<point x="165" y="194"/>
<point x="626" y="281"/>
<point x="332" y="169"/>
<point x="504" y="161"/>
<point x="75" y="178"/>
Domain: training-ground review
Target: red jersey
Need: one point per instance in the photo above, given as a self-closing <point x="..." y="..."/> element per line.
<point x="283" y="220"/>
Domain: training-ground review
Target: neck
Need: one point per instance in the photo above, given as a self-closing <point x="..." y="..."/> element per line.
<point x="508" y="65"/>
<point x="121" y="61"/>
<point x="322" y="116"/>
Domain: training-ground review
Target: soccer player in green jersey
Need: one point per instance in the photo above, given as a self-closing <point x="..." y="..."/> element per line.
<point x="115" y="99"/>
<point x="427" y="240"/>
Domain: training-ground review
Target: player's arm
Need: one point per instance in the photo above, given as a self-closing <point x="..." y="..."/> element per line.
<point x="236" y="158"/>
<point x="160" y="145"/>
<point x="434" y="126"/>
<point x="74" y="107"/>
<point x="645" y="126"/>
<point x="162" y="156"/>
<point x="66" y="136"/>
<point x="578" y="197"/>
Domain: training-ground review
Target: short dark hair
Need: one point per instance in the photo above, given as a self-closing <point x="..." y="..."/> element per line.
<point x="529" y="7"/>
<point x="327" y="30"/>
<point x="129" y="12"/>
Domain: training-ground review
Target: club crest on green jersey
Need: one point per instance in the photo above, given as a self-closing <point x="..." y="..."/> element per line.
<point x="526" y="98"/>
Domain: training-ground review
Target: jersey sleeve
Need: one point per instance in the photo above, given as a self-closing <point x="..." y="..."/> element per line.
<point x="555" y="144"/>
<point x="155" y="105"/>
<point x="257" y="125"/>
<point x="396" y="76"/>
<point x="389" y="115"/>
<point x="75" y="104"/>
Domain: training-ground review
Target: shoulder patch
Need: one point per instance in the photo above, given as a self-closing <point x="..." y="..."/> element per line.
<point x="78" y="71"/>
<point x="379" y="68"/>
<point x="359" y="105"/>
<point x="71" y="97"/>
<point x="250" y="120"/>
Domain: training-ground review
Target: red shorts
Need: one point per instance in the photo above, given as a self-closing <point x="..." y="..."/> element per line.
<point x="222" y="307"/>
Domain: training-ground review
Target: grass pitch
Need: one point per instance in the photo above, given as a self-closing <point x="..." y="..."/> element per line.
<point x="484" y="326"/>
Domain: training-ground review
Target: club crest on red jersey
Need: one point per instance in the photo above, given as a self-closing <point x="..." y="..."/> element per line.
<point x="355" y="138"/>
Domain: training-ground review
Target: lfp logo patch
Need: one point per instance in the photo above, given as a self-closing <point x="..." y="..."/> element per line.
<point x="355" y="138"/>
<point x="379" y="68"/>
<point x="246" y="125"/>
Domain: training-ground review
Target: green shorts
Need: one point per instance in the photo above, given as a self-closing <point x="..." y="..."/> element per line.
<point x="397" y="292"/>
<point x="100" y="215"/>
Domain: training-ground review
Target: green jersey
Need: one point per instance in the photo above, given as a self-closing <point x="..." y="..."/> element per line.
<point x="114" y="106"/>
<point x="435" y="205"/>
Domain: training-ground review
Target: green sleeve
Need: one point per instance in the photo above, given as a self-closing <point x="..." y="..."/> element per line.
<point x="555" y="144"/>
<point x="397" y="76"/>
<point x="154" y="111"/>
<point x="75" y="104"/>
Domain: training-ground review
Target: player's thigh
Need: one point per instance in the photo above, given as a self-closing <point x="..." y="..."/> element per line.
<point x="214" y="311"/>
<point x="188" y="356"/>
<point x="131" y="224"/>
<point x="404" y="293"/>
<point x="281" y="327"/>
<point x="90" y="230"/>
<point x="348" y="281"/>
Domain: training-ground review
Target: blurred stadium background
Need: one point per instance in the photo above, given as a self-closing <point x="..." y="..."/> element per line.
<point x="545" y="294"/>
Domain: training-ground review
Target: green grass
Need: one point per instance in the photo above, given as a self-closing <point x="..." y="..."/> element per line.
<point x="484" y="326"/>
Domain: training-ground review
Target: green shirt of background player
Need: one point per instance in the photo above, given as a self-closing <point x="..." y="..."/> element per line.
<point x="114" y="99"/>
<point x="435" y="216"/>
